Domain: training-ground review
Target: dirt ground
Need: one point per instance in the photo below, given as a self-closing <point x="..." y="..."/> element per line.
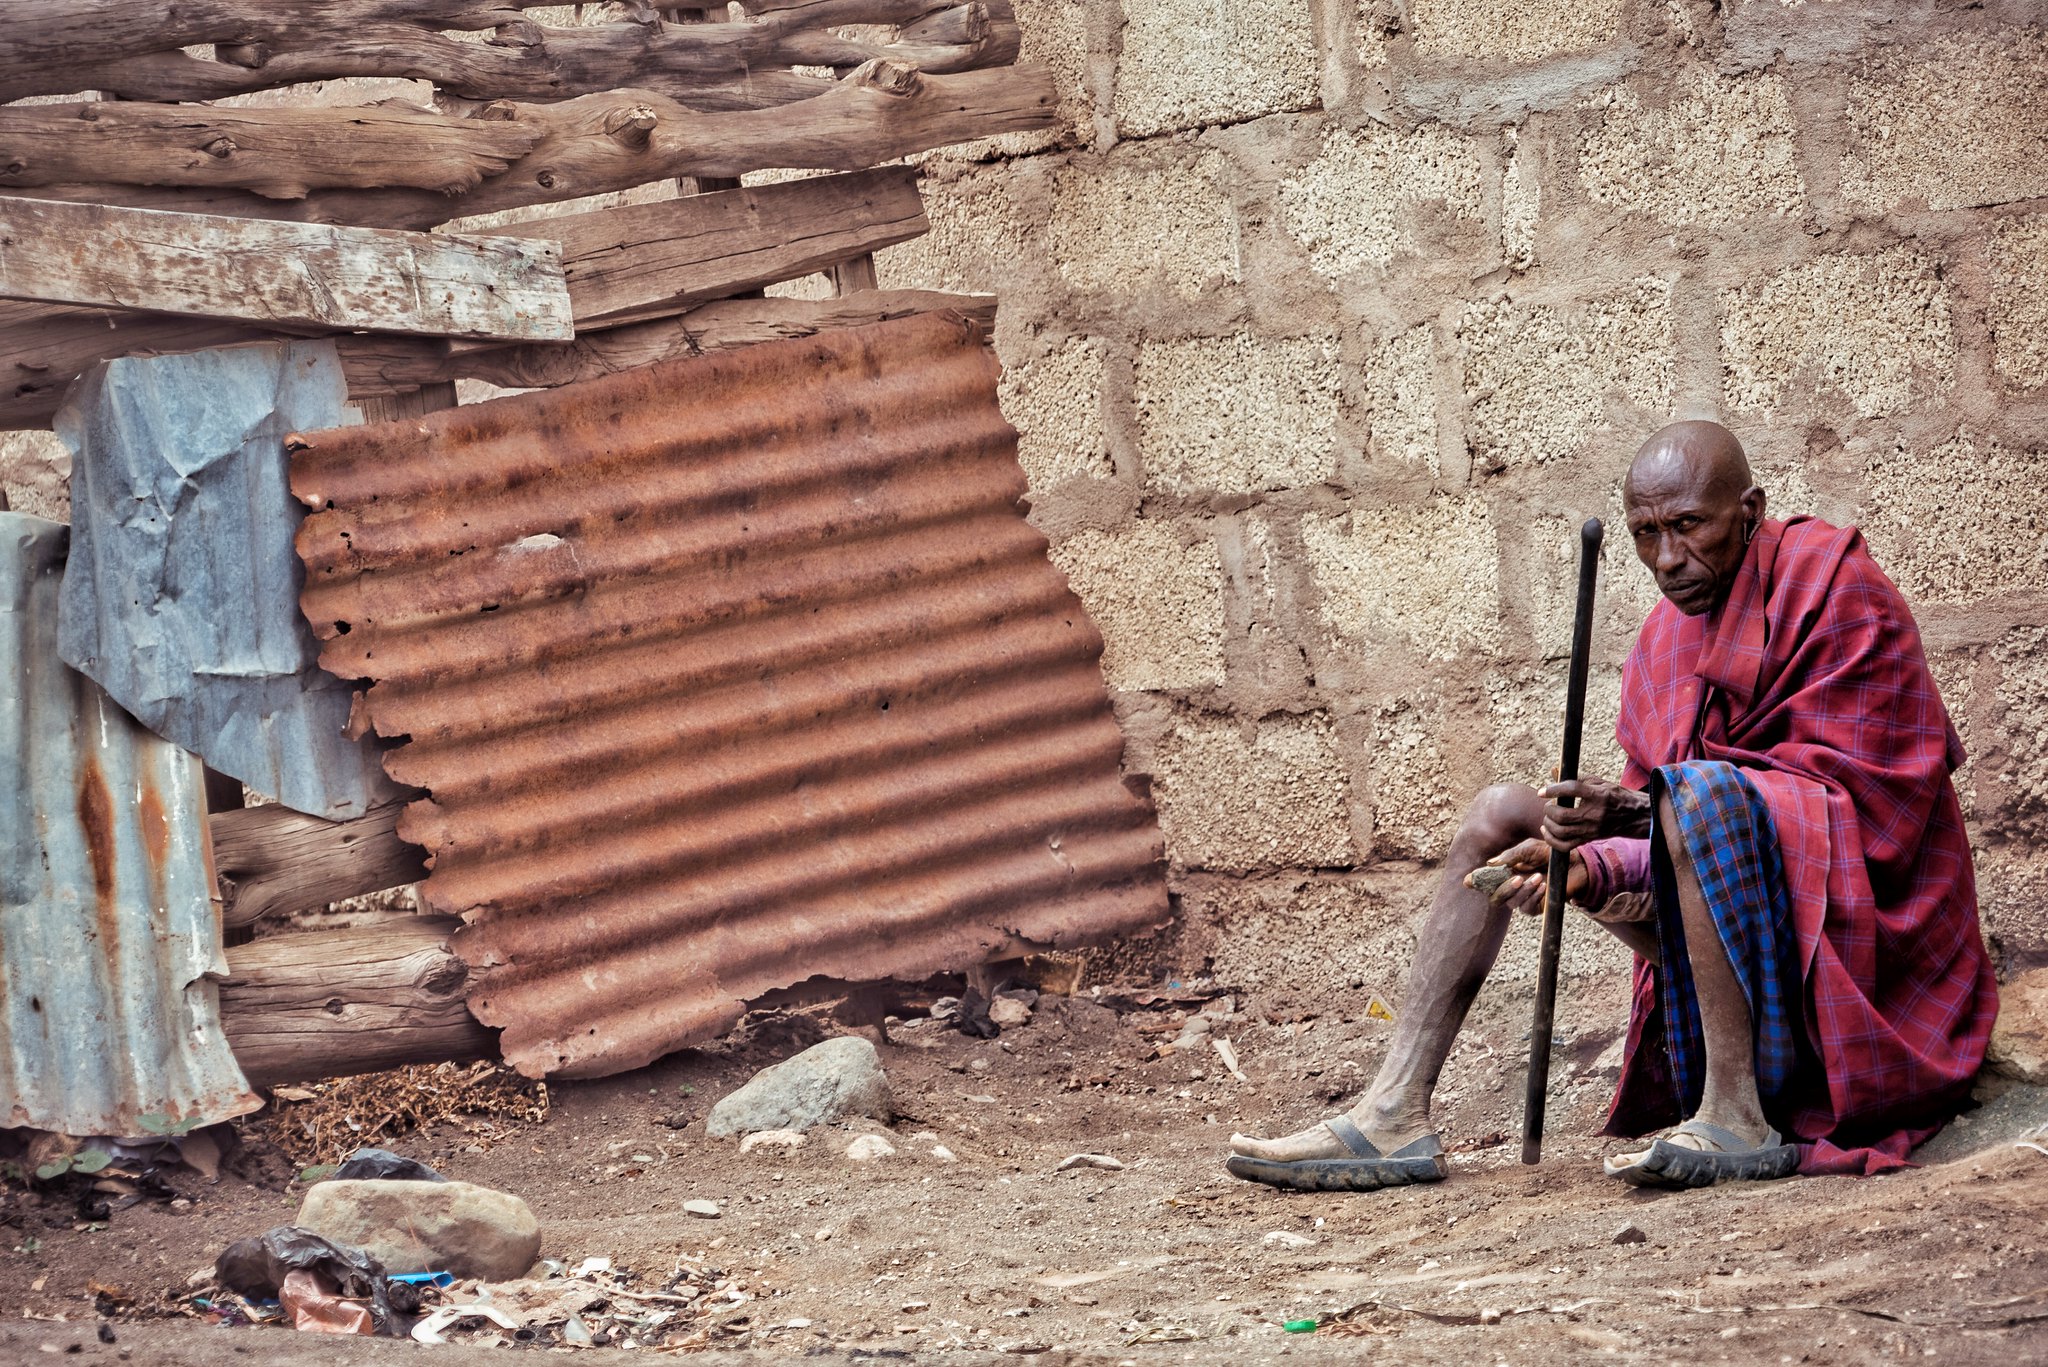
<point x="996" y="1257"/>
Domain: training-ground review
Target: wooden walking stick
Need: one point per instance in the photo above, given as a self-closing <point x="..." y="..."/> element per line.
<point x="1560" y="862"/>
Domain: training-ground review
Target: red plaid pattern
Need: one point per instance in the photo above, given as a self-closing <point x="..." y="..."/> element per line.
<point x="1816" y="686"/>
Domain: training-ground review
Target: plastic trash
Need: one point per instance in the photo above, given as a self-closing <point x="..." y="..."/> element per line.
<point x="256" y="1269"/>
<point x="309" y="1299"/>
<point x="1301" y="1326"/>
<point x="430" y="1329"/>
<point x="373" y="1165"/>
<point x="434" y="1279"/>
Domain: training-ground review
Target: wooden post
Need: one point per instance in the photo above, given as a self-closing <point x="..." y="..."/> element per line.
<point x="328" y="1004"/>
<point x="273" y="861"/>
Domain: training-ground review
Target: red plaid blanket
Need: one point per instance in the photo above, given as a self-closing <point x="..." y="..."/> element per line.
<point x="1812" y="679"/>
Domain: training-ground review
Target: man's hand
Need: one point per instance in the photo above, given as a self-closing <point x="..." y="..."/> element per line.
<point x="1604" y="809"/>
<point x="1524" y="889"/>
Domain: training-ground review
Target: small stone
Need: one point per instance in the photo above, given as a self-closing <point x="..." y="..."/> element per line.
<point x="1090" y="1160"/>
<point x="1024" y="1346"/>
<point x="2019" y="1040"/>
<point x="915" y="1307"/>
<point x="773" y="1139"/>
<point x="1286" y="1238"/>
<point x="943" y="1154"/>
<point x="456" y="1227"/>
<point x="839" y="1079"/>
<point x="1488" y="878"/>
<point x="822" y="1235"/>
<point x="1489" y="1315"/>
<point x="702" y="1209"/>
<point x="1630" y="1234"/>
<point x="1007" y="1013"/>
<point x="869" y="1147"/>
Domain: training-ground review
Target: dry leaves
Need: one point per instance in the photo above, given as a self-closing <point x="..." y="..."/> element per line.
<point x="324" y="1122"/>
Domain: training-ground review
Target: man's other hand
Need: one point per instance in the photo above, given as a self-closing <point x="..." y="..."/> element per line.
<point x="1604" y="809"/>
<point x="1524" y="889"/>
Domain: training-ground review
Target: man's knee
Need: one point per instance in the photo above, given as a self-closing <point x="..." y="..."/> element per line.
<point x="1502" y="815"/>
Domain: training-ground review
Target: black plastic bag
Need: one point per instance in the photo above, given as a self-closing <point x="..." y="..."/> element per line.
<point x="256" y="1268"/>
<point x="384" y="1166"/>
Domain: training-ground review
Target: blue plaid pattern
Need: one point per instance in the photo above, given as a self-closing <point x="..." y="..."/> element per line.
<point x="1728" y="833"/>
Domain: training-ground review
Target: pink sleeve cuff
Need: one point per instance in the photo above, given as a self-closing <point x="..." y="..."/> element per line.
<point x="1615" y="866"/>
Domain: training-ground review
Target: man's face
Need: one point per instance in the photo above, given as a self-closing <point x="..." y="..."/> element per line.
<point x="1688" y="533"/>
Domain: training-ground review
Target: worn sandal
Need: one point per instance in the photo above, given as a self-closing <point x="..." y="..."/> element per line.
<point x="1369" y="1169"/>
<point x="1665" y="1164"/>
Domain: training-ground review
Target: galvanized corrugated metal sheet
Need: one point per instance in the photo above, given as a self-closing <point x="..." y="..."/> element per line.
<point x="108" y="1022"/>
<point x="181" y="598"/>
<point x="725" y="674"/>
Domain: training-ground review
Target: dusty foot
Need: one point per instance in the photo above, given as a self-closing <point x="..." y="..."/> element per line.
<point x="1754" y="1130"/>
<point x="1317" y="1141"/>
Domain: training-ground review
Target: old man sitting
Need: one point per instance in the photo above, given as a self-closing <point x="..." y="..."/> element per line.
<point x="1784" y="853"/>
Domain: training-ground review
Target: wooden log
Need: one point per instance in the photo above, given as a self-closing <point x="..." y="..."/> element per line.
<point x="331" y="1003"/>
<point x="711" y="67"/>
<point x="42" y="350"/>
<point x="597" y="143"/>
<point x="380" y="365"/>
<point x="277" y="153"/>
<point x="273" y="861"/>
<point x="284" y="274"/>
<point x="642" y="261"/>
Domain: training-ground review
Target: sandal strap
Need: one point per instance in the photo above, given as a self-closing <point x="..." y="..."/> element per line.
<point x="1352" y="1137"/>
<point x="1727" y="1141"/>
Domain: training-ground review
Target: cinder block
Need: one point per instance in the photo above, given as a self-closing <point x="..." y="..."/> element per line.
<point x="1055" y="35"/>
<point x="2022" y="656"/>
<point x="1267" y="795"/>
<point x="1720" y="149"/>
<point x="2018" y="313"/>
<point x="1425" y="574"/>
<point x="1354" y="206"/>
<point x="1875" y="328"/>
<point x="1055" y="403"/>
<point x="1526" y="705"/>
<point x="1157" y="599"/>
<point x="1961" y="522"/>
<point x="1400" y="385"/>
<point x="1953" y="123"/>
<point x="1305" y="939"/>
<point x="35" y="471"/>
<point x="1188" y="63"/>
<point x="1142" y="218"/>
<point x="1238" y="414"/>
<point x="1521" y="202"/>
<point x="1415" y="811"/>
<point x="972" y="245"/>
<point x="1538" y="377"/>
<point x="1512" y="30"/>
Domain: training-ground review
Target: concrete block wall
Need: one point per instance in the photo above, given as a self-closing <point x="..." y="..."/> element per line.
<point x="1327" y="321"/>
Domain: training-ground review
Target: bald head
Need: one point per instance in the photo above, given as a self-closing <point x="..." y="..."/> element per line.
<point x="1692" y="508"/>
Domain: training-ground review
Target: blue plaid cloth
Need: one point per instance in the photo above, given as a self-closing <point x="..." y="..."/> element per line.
<point x="1728" y="833"/>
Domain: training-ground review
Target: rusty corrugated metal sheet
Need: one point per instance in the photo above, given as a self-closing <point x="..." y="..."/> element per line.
<point x="724" y="674"/>
<point x="109" y="1024"/>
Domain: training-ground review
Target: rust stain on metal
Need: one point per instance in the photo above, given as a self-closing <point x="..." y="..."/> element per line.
<point x="723" y="675"/>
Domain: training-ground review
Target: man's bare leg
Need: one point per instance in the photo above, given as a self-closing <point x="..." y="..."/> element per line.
<point x="1729" y="1098"/>
<point x="1456" y="946"/>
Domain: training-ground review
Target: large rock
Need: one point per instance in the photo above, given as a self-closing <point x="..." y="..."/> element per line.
<point x="456" y="1227"/>
<point x="836" y="1080"/>
<point x="2019" y="1042"/>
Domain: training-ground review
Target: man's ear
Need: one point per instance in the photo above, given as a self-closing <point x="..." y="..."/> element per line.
<point x="1753" y="505"/>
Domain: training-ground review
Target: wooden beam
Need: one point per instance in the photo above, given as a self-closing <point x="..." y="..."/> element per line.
<point x="378" y="365"/>
<point x="614" y="141"/>
<point x="709" y="66"/>
<point x="642" y="261"/>
<point x="277" y="153"/>
<point x="131" y="48"/>
<point x="43" y="350"/>
<point x="283" y="274"/>
<point x="273" y="861"/>
<point x="330" y="1003"/>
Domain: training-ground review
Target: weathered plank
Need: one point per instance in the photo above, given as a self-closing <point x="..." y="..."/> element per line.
<point x="42" y="349"/>
<point x="277" y="153"/>
<point x="273" y="861"/>
<point x="330" y="1003"/>
<point x="718" y="66"/>
<point x="645" y="261"/>
<point x="614" y="141"/>
<point x="283" y="274"/>
<point x="57" y="46"/>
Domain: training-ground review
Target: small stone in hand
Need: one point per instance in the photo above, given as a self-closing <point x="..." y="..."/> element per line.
<point x="1487" y="878"/>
